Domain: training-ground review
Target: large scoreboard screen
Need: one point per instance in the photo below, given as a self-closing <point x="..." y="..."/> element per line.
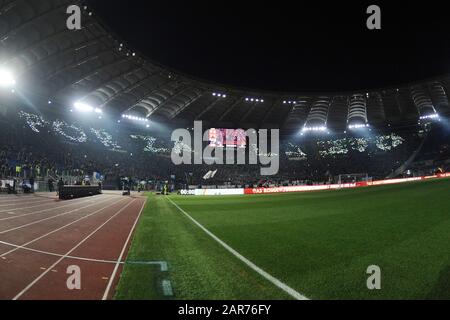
<point x="227" y="138"/>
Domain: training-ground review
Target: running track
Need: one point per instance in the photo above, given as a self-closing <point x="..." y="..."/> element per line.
<point x="40" y="237"/>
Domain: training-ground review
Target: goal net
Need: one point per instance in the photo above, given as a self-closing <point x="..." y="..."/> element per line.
<point x="353" y="178"/>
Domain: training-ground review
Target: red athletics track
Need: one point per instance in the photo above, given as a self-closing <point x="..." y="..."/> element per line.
<point x="40" y="237"/>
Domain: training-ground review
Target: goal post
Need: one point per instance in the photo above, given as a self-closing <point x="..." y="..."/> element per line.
<point x="353" y="178"/>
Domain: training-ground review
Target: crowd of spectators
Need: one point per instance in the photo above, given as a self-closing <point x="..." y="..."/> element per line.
<point x="46" y="155"/>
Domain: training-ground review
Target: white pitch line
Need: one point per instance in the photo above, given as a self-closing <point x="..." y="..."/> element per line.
<point x="49" y="218"/>
<point x="292" y="292"/>
<point x="113" y="275"/>
<point x="43" y="210"/>
<point x="21" y="293"/>
<point x="167" y="288"/>
<point x="59" y="229"/>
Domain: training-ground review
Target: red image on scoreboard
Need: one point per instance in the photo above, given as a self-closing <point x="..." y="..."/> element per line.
<point x="230" y="138"/>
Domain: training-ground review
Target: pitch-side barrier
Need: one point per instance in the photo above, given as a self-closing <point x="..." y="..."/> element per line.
<point x="242" y="191"/>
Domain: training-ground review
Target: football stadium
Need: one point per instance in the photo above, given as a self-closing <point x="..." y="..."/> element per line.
<point x="122" y="178"/>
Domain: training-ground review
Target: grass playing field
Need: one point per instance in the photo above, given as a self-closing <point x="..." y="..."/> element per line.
<point x="319" y="244"/>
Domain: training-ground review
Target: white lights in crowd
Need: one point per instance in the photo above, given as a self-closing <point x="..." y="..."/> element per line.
<point x="289" y="102"/>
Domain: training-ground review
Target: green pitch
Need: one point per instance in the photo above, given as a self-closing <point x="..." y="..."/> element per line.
<point x="319" y="244"/>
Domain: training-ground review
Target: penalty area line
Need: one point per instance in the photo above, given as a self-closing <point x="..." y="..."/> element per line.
<point x="292" y="292"/>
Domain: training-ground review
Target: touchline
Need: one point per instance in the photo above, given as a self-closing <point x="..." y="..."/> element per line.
<point x="258" y="153"/>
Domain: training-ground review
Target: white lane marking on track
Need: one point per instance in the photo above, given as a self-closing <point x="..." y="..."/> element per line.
<point x="161" y="264"/>
<point x="49" y="218"/>
<point x="23" y="202"/>
<point x="292" y="292"/>
<point x="44" y="210"/>
<point x="17" y="199"/>
<point x="20" y="208"/>
<point x="57" y="254"/>
<point x="113" y="275"/>
<point x="21" y="293"/>
<point x="59" y="229"/>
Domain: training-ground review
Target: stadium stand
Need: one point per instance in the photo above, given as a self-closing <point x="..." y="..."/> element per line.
<point x="128" y="105"/>
<point x="32" y="146"/>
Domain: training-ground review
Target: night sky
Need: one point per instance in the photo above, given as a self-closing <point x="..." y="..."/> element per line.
<point x="287" y="45"/>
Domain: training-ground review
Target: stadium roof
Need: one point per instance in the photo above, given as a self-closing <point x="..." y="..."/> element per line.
<point x="96" y="67"/>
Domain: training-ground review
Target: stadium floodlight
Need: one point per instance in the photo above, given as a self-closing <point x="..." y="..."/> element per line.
<point x="315" y="129"/>
<point x="257" y="100"/>
<point x="433" y="116"/>
<point x="358" y="126"/>
<point x="83" y="107"/>
<point x="6" y="79"/>
<point x="219" y="95"/>
<point x="134" y="118"/>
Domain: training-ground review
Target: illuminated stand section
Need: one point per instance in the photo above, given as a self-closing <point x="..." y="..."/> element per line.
<point x="318" y="116"/>
<point x="357" y="113"/>
<point x="424" y="104"/>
